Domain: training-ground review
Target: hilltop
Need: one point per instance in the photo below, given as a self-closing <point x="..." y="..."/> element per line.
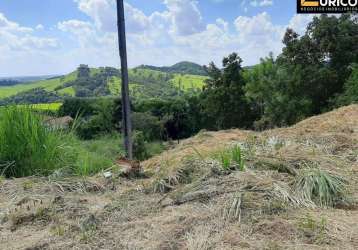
<point x="188" y="201"/>
<point x="179" y="68"/>
<point x="144" y="82"/>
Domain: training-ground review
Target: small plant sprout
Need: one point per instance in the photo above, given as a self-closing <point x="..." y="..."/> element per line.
<point x="232" y="159"/>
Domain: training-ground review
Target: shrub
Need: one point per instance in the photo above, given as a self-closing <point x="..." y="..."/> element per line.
<point x="28" y="147"/>
<point x="319" y="186"/>
<point x="139" y="146"/>
<point x="150" y="125"/>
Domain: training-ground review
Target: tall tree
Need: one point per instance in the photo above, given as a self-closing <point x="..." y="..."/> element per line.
<point x="223" y="97"/>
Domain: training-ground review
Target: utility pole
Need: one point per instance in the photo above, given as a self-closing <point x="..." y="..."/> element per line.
<point x="126" y="109"/>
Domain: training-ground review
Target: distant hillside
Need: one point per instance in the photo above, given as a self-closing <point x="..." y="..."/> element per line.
<point x="179" y="68"/>
<point x="27" y="78"/>
<point x="104" y="81"/>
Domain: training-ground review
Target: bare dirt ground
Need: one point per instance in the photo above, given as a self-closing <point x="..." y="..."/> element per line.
<point x="187" y="202"/>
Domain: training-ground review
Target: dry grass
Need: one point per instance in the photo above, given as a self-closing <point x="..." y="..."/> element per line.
<point x="198" y="205"/>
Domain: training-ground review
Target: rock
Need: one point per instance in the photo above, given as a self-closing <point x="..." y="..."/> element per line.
<point x="107" y="175"/>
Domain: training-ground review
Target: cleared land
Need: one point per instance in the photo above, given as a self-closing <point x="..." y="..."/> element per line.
<point x="189" y="202"/>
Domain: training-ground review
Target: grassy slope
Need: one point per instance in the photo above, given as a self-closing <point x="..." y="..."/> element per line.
<point x="138" y="77"/>
<point x="186" y="82"/>
<point x="49" y="85"/>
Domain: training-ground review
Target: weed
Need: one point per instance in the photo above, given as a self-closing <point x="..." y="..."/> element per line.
<point x="231" y="159"/>
<point x="27" y="185"/>
<point x="319" y="186"/>
<point x="238" y="158"/>
<point x="313" y="228"/>
<point x="58" y="230"/>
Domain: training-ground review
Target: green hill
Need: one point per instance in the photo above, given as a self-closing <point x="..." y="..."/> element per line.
<point x="104" y="81"/>
<point x="179" y="68"/>
<point x="49" y="85"/>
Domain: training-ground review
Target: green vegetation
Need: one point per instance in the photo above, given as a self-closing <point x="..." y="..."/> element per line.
<point x="97" y="154"/>
<point x="188" y="82"/>
<point x="231" y="159"/>
<point x="179" y="68"/>
<point x="319" y="186"/>
<point x="43" y="106"/>
<point x="314" y="73"/>
<point x="27" y="147"/>
<point x="48" y="85"/>
<point x="67" y="91"/>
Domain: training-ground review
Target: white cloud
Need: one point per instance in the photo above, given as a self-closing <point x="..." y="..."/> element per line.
<point x="186" y="17"/>
<point x="6" y="25"/>
<point x="14" y="38"/>
<point x="261" y="3"/>
<point x="299" y="22"/>
<point x="160" y="38"/>
<point x="39" y="27"/>
<point x="22" y="52"/>
<point x="103" y="12"/>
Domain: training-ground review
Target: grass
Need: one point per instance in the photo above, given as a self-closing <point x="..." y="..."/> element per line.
<point x="27" y="147"/>
<point x="98" y="154"/>
<point x="68" y="91"/>
<point x="43" y="106"/>
<point x="319" y="186"/>
<point x="231" y="159"/>
<point x="187" y="82"/>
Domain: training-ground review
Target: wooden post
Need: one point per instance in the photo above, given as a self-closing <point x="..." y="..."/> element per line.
<point x="126" y="109"/>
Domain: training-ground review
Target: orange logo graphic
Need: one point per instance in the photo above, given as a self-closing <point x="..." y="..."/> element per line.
<point x="307" y="3"/>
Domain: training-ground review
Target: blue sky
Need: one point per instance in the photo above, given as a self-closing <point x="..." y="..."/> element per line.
<point x="53" y="37"/>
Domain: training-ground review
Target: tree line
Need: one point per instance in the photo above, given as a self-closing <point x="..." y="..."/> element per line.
<point x="315" y="72"/>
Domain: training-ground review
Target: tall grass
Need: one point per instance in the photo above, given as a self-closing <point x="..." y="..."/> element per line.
<point x="28" y="147"/>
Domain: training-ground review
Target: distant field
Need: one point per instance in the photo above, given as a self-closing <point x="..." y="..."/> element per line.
<point x="186" y="82"/>
<point x="44" y="106"/>
<point x="48" y="85"/>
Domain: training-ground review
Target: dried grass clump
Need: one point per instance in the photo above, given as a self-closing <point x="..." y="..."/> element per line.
<point x="319" y="186"/>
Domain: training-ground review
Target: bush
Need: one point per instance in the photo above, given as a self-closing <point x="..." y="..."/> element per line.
<point x="28" y="147"/>
<point x="96" y="115"/>
<point x="150" y="125"/>
<point x="139" y="146"/>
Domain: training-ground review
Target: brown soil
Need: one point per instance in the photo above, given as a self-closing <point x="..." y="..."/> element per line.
<point x="235" y="210"/>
